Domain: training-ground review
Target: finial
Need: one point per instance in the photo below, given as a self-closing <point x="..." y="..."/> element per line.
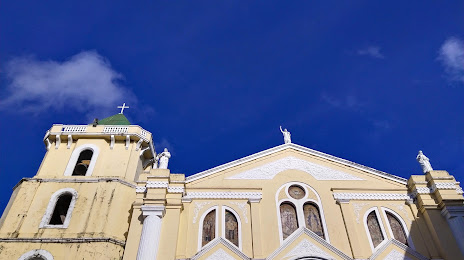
<point x="424" y="162"/>
<point x="122" y="108"/>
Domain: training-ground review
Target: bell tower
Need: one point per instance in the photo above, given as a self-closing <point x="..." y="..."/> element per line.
<point x="79" y="204"/>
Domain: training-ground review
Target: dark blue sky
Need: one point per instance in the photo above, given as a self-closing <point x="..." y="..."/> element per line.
<point x="213" y="80"/>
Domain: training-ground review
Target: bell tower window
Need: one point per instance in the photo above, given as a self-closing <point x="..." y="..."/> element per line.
<point x="61" y="209"/>
<point x="83" y="162"/>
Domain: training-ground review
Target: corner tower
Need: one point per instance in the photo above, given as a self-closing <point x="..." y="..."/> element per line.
<point x="79" y="204"/>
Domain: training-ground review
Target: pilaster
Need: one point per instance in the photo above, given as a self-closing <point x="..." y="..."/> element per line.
<point x="256" y="228"/>
<point x="357" y="249"/>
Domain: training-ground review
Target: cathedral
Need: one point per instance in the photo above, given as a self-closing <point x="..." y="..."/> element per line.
<point x="102" y="192"/>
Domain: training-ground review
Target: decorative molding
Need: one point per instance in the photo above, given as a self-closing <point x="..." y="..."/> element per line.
<point x="225" y="243"/>
<point x="220" y="254"/>
<point x="401" y="208"/>
<point x="140" y="189"/>
<point x="175" y="189"/>
<point x="198" y="207"/>
<point x="36" y="254"/>
<point x="306" y="248"/>
<point x="116" y="129"/>
<point x="127" y="141"/>
<point x="64" y="240"/>
<point x="443" y="186"/>
<point x="57" y="141"/>
<point x="223" y="195"/>
<point x="270" y="170"/>
<point x="157" y="184"/>
<point x="51" y="207"/>
<point x="112" y="142"/>
<point x="459" y="190"/>
<point x="437" y="186"/>
<point x="300" y="149"/>
<point x="144" y="133"/>
<point x="157" y="210"/>
<point x="70" y="141"/>
<point x="74" y="128"/>
<point x="370" y="196"/>
<point x="395" y="255"/>
<point x="243" y="208"/>
<point x="357" y="208"/>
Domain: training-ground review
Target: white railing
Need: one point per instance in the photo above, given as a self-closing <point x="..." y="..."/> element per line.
<point x="116" y="129"/>
<point x="74" y="128"/>
<point x="144" y="133"/>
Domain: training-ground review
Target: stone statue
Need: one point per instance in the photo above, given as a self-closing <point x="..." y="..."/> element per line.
<point x="424" y="162"/>
<point x="286" y="134"/>
<point x="163" y="159"/>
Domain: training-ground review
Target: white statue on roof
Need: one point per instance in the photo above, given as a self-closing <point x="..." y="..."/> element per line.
<point x="424" y="162"/>
<point x="163" y="159"/>
<point x="287" y="138"/>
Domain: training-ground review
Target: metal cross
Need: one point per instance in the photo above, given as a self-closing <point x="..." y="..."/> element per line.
<point x="122" y="108"/>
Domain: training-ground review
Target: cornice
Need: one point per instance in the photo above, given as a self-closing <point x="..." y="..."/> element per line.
<point x="341" y="196"/>
<point x="77" y="180"/>
<point x="297" y="148"/>
<point x="65" y="240"/>
<point x="223" y="195"/>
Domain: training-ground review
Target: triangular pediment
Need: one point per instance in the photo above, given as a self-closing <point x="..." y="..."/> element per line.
<point x="394" y="249"/>
<point x="304" y="243"/>
<point x="220" y="249"/>
<point x="292" y="161"/>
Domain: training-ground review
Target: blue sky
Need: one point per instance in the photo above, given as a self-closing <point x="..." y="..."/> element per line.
<point x="213" y="80"/>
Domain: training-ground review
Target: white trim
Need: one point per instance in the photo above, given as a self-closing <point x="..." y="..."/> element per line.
<point x="75" y="156"/>
<point x="57" y="141"/>
<point x="36" y="253"/>
<point x="216" y="226"/>
<point x="127" y="141"/>
<point x="216" y="241"/>
<point x="51" y="207"/>
<point x="64" y="240"/>
<point x="223" y="217"/>
<point x="70" y="141"/>
<point x="299" y="148"/>
<point x="299" y="204"/>
<point x="223" y="195"/>
<point x="403" y="224"/>
<point x="379" y="220"/>
<point x="399" y="245"/>
<point x="370" y="196"/>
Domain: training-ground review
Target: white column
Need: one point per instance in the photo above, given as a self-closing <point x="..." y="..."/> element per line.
<point x="455" y="217"/>
<point x="149" y="241"/>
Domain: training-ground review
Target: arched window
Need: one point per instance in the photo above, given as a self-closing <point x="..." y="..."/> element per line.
<point x="288" y="219"/>
<point x="36" y="254"/>
<point x="209" y="227"/>
<point x="397" y="228"/>
<point x="59" y="209"/>
<point x="313" y="219"/>
<point x="231" y="228"/>
<point x="375" y="231"/>
<point x="83" y="162"/>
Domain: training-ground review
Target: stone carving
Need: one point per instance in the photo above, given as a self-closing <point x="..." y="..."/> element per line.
<point x="313" y="219"/>
<point x="424" y="162"/>
<point x="288" y="219"/>
<point x="231" y="227"/>
<point x="395" y="255"/>
<point x="223" y="195"/>
<point x="374" y="229"/>
<point x="243" y="207"/>
<point x="397" y="228"/>
<point x="287" y="138"/>
<point x="270" y="170"/>
<point x="198" y="207"/>
<point x="163" y="159"/>
<point x="220" y="254"/>
<point x="357" y="207"/>
<point x="306" y="248"/>
<point x="401" y="208"/>
<point x="209" y="227"/>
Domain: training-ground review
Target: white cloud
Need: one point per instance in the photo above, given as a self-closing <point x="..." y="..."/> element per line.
<point x="371" y="51"/>
<point x="85" y="82"/>
<point x="451" y="55"/>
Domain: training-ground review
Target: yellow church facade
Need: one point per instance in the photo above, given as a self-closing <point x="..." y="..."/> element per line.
<point x="102" y="192"/>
